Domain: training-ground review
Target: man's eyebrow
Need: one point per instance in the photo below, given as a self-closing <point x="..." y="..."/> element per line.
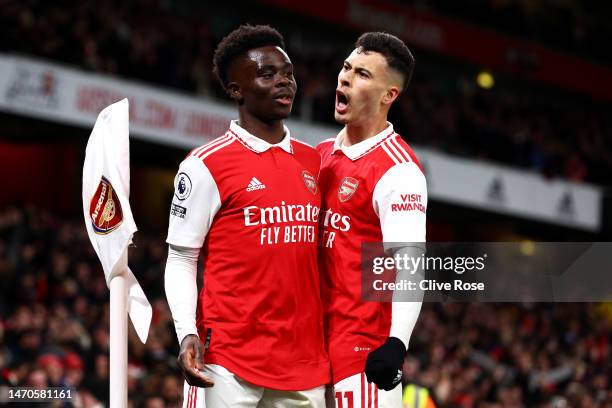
<point x="361" y="69"/>
<point x="266" y="66"/>
<point x="358" y="69"/>
<point x="272" y="66"/>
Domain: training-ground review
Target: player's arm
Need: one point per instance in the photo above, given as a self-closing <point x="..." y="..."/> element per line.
<point x="400" y="200"/>
<point x="194" y="205"/>
<point x="181" y="292"/>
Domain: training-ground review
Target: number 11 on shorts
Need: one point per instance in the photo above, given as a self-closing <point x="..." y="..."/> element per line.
<point x="342" y="396"/>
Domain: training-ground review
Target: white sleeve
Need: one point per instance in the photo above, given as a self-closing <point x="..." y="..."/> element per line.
<point x="400" y="201"/>
<point x="195" y="203"/>
<point x="406" y="306"/>
<point x="404" y="316"/>
<point x="180" y="283"/>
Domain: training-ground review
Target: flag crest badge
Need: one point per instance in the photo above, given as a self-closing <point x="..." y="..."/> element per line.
<point x="105" y="208"/>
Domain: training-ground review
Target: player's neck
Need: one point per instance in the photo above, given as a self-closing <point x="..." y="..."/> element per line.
<point x="355" y="133"/>
<point x="272" y="132"/>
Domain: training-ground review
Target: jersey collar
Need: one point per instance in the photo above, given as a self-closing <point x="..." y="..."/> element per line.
<point x="256" y="144"/>
<point x="355" y="151"/>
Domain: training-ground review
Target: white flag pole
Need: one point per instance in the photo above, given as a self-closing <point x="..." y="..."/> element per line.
<point x="118" y="339"/>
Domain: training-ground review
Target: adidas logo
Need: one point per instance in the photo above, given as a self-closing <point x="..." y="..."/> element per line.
<point x="255" y="184"/>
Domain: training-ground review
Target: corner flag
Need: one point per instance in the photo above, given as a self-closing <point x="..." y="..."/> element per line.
<point x="110" y="226"/>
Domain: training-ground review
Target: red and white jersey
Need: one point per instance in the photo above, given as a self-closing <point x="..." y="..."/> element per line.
<point x="254" y="209"/>
<point x="373" y="191"/>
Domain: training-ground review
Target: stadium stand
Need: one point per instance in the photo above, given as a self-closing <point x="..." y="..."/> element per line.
<point x="53" y="331"/>
<point x="572" y="25"/>
<point x="554" y="133"/>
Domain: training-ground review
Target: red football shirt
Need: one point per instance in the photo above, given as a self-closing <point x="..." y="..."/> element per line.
<point x="373" y="191"/>
<point x="254" y="209"/>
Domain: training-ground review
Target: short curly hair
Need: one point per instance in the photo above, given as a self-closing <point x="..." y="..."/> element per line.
<point x="240" y="41"/>
<point x="394" y="50"/>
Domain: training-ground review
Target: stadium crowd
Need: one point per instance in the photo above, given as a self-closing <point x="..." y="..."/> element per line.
<point x="54" y="320"/>
<point x="54" y="314"/>
<point x="572" y="25"/>
<point x="517" y="127"/>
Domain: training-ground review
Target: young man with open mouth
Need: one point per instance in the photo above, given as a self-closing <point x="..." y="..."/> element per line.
<point x="373" y="190"/>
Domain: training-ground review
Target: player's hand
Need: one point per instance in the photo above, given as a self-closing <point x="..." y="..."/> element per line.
<point x="191" y="362"/>
<point x="384" y="365"/>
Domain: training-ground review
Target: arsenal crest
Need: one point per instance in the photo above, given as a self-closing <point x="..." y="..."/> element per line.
<point x="105" y="209"/>
<point x="348" y="186"/>
<point x="309" y="180"/>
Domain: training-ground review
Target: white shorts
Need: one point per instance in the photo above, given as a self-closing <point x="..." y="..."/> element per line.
<point x="356" y="392"/>
<point x="232" y="391"/>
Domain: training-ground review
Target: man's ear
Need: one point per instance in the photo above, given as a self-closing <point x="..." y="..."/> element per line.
<point x="391" y="95"/>
<point x="234" y="91"/>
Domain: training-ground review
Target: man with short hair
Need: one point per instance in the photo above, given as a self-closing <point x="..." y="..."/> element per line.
<point x="373" y="189"/>
<point x="249" y="201"/>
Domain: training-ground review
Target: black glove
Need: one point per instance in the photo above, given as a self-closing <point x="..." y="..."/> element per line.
<point x="384" y="365"/>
